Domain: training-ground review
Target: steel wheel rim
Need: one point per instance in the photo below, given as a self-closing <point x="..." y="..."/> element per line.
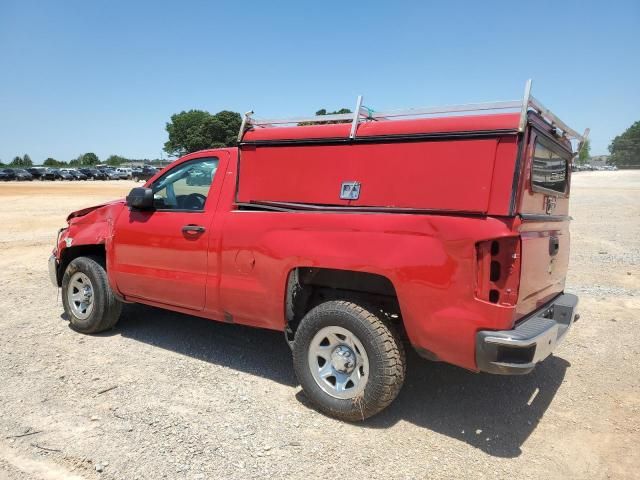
<point x="338" y="362"/>
<point x="80" y="295"/>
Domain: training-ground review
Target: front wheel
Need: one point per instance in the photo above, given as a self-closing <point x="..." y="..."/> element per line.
<point x="87" y="296"/>
<point x="350" y="363"/>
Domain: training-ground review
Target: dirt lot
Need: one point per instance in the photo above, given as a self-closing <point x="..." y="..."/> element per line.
<point x="196" y="399"/>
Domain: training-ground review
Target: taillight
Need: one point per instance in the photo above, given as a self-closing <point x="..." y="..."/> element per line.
<point x="498" y="271"/>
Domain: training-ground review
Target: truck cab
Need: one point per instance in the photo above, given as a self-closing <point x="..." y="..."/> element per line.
<point x="353" y="235"/>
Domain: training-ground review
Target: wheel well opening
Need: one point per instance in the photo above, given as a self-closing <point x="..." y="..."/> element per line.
<point x="308" y="287"/>
<point x="68" y="254"/>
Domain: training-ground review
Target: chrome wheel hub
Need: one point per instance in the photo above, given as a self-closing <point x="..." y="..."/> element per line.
<point x="343" y="359"/>
<point x="80" y="295"/>
<point x="338" y="362"/>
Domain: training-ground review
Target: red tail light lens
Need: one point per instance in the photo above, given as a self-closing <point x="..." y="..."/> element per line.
<point x="498" y="270"/>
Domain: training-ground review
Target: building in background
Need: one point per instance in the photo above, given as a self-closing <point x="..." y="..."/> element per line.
<point x="599" y="160"/>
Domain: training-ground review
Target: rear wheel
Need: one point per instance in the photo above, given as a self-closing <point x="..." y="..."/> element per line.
<point x="349" y="362"/>
<point x="87" y="296"/>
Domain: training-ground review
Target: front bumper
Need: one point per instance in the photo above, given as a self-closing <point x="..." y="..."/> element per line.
<point x="53" y="270"/>
<point x="517" y="351"/>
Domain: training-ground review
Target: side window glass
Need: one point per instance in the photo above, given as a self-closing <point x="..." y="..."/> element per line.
<point x="186" y="186"/>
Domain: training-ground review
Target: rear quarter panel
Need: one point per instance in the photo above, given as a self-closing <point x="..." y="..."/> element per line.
<point x="429" y="259"/>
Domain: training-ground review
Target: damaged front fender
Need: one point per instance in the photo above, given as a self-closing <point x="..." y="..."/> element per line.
<point x="89" y="233"/>
<point x="85" y="211"/>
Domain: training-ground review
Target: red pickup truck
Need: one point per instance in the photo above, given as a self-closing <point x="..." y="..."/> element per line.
<point x="354" y="234"/>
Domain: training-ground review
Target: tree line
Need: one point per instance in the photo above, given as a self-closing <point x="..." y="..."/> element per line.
<point x="625" y="148"/>
<point x="89" y="159"/>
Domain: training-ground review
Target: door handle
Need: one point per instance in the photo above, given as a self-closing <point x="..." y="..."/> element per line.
<point x="193" y="229"/>
<point x="554" y="245"/>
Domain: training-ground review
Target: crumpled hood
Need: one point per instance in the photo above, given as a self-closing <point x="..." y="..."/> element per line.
<point x="83" y="211"/>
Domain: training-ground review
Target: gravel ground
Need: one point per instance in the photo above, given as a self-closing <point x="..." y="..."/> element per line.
<point x="171" y="396"/>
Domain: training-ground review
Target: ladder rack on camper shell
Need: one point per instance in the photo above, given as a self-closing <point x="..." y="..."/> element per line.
<point x="363" y="113"/>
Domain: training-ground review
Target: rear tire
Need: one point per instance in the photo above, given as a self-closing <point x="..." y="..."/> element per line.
<point x="87" y="296"/>
<point x="350" y="363"/>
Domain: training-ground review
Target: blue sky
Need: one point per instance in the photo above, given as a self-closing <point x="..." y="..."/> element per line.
<point x="105" y="76"/>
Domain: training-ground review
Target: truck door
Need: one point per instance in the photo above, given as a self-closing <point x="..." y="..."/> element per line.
<point x="161" y="255"/>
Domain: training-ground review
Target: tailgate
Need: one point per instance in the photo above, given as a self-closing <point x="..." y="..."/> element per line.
<point x="544" y="263"/>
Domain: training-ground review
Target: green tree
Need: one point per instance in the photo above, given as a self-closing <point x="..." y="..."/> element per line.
<point x="51" y="162"/>
<point x="76" y="162"/>
<point x="323" y="111"/>
<point x="198" y="130"/>
<point x="116" y="160"/>
<point x="585" y="153"/>
<point x="228" y="126"/>
<point x="26" y="161"/>
<point x="17" y="162"/>
<point x="89" y="159"/>
<point x="625" y="148"/>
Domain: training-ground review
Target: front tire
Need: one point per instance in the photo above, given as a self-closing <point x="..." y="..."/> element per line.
<point x="350" y="363"/>
<point x="87" y="296"/>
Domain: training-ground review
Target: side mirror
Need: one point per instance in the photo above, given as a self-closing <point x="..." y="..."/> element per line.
<point x="140" y="198"/>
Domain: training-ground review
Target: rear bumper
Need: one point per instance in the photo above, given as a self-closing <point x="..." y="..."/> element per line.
<point x="517" y="351"/>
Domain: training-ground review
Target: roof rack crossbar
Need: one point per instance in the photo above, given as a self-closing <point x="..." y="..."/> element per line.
<point x="469" y="107"/>
<point x="363" y="113"/>
<point x="535" y="104"/>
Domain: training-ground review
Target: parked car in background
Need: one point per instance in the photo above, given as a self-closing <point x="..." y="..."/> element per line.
<point x="51" y="174"/>
<point x="22" y="175"/>
<point x="124" y="172"/>
<point x="198" y="177"/>
<point x="78" y="175"/>
<point x="55" y="174"/>
<point x="68" y="171"/>
<point x="94" y="173"/>
<point x="144" y="173"/>
<point x="7" y="174"/>
<point x="109" y="172"/>
<point x="36" y="172"/>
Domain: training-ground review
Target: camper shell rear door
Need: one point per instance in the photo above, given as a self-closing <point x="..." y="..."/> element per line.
<point x="545" y="187"/>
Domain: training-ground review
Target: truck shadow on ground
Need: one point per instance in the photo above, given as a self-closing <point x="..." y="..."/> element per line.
<point x="251" y="350"/>
<point x="493" y="413"/>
